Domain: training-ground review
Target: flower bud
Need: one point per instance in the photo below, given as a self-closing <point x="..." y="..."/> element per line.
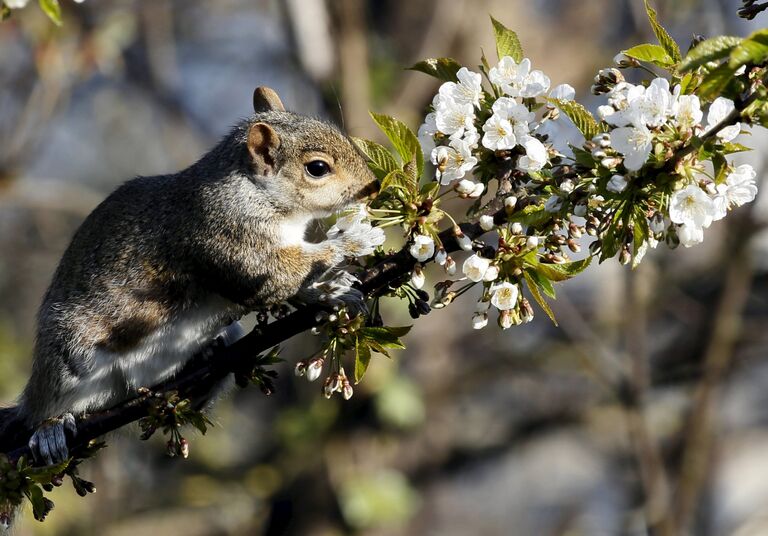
<point x="625" y="256"/>
<point x="486" y="223"/>
<point x="450" y="266"/>
<point x="301" y="368"/>
<point x="505" y="319"/>
<point x="532" y="242"/>
<point x="580" y="210"/>
<point x="656" y="223"/>
<point x="573" y="245"/>
<point x="464" y="241"/>
<point x="567" y="186"/>
<point x="510" y="202"/>
<point x="526" y="311"/>
<point x="492" y="273"/>
<point x="479" y="320"/>
<point x="440" y="256"/>
<point x="184" y="448"/>
<point x="417" y="277"/>
<point x="610" y="162"/>
<point x="465" y="187"/>
<point x="516" y="228"/>
<point x="624" y="61"/>
<point x="346" y="389"/>
<point x="422" y="307"/>
<point x="606" y="79"/>
<point x="315" y="368"/>
<point x="170" y="448"/>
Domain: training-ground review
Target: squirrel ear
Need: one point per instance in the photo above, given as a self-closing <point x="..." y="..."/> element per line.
<point x="263" y="143"/>
<point x="266" y="100"/>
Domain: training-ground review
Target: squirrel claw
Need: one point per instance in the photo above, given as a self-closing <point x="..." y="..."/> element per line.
<point x="338" y="291"/>
<point x="49" y="442"/>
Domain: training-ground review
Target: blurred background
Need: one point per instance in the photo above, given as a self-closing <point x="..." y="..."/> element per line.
<point x="648" y="404"/>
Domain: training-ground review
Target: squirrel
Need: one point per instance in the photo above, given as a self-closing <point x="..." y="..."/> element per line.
<point x="167" y="263"/>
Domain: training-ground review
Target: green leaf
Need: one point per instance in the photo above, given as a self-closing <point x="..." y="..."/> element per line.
<point x="715" y="82"/>
<point x="579" y="115"/>
<point x="52" y="9"/>
<point x="650" y="53"/>
<point x="730" y="148"/>
<point x="708" y="50"/>
<point x="565" y="271"/>
<point x="362" y="358"/>
<point x="380" y="160"/>
<point x="397" y="179"/>
<point x="541" y="280"/>
<point x="403" y="139"/>
<point x="665" y="40"/>
<point x="533" y="288"/>
<point x="507" y="42"/>
<point x="441" y="68"/>
<point x="5" y="12"/>
<point x="531" y="216"/>
<point x="383" y="336"/>
<point x="35" y="496"/>
<point x="44" y="474"/>
<point x="753" y="49"/>
<point x="398" y="331"/>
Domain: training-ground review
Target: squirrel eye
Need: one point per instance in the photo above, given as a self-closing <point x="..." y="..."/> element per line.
<point x="317" y="168"/>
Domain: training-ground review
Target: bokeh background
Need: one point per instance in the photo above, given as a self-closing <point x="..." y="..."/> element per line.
<point x="648" y="403"/>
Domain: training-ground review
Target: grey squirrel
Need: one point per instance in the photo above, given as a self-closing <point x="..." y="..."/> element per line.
<point x="166" y="263"/>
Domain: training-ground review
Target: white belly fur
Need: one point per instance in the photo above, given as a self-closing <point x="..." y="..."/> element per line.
<point x="159" y="355"/>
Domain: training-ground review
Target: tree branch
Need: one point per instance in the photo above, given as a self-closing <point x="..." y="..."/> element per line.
<point x="204" y="372"/>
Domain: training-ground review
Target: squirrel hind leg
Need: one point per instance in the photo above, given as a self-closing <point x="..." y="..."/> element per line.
<point x="49" y="442"/>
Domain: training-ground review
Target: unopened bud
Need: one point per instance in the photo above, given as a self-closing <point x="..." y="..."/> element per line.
<point x="479" y="320"/>
<point x="486" y="223"/>
<point x="315" y="368"/>
<point x="516" y="228"/>
<point x="656" y="223"/>
<point x="440" y="256"/>
<point x="510" y="202"/>
<point x="573" y="245"/>
<point x="532" y="242"/>
<point x="580" y="210"/>
<point x="505" y="319"/>
<point x="625" y="256"/>
<point x="184" y="448"/>
<point x="417" y="277"/>
<point x="301" y="368"/>
<point x="464" y="241"/>
<point x="450" y="266"/>
<point x="624" y="61"/>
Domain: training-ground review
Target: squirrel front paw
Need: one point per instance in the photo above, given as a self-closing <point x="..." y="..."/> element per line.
<point x="359" y="238"/>
<point x="49" y="442"/>
<point x="339" y="291"/>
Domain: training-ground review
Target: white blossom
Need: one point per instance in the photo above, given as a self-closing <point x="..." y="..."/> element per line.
<point x="498" y="134"/>
<point x="467" y="90"/>
<point x="466" y="186"/>
<point x="692" y="207"/>
<point x="464" y="241"/>
<point x="16" y="4"/>
<point x="452" y="161"/>
<point x="535" y="156"/>
<point x="563" y="92"/>
<point x="532" y="242"/>
<point x="516" y="228"/>
<point x="441" y="256"/>
<point x="517" y="79"/>
<point x="517" y="114"/>
<point x="426" y="134"/>
<point x="690" y="235"/>
<point x="617" y="184"/>
<point x="687" y="110"/>
<point x="471" y="138"/>
<point x="504" y="296"/>
<point x="654" y="106"/>
<point x="474" y="267"/>
<point x="718" y="110"/>
<point x="452" y="117"/>
<point x="635" y="143"/>
<point x="486" y="223"/>
<point x="510" y="202"/>
<point x="623" y="100"/>
<point x="423" y="247"/>
<point x="580" y="210"/>
<point x="739" y="188"/>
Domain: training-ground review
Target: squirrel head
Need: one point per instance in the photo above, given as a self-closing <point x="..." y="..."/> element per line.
<point x="308" y="166"/>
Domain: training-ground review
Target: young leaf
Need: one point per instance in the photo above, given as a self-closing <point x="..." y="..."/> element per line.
<point x="541" y="280"/>
<point x="362" y="358"/>
<point x="715" y="82"/>
<point x="403" y="139"/>
<point x="579" y="115"/>
<point x="562" y="272"/>
<point x="52" y="9"/>
<point x="665" y="40"/>
<point x="441" y="68"/>
<point x="507" y="42"/>
<point x="650" y="53"/>
<point x="708" y="50"/>
<point x="753" y="49"/>
<point x="382" y="336"/>
<point x="380" y="160"/>
<point x="533" y="288"/>
<point x="532" y="215"/>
